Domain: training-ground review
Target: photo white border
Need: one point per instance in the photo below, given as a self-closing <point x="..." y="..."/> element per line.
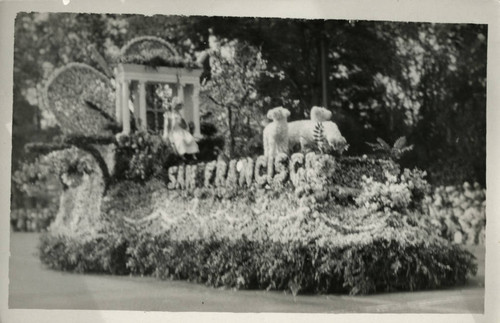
<point x="442" y="11"/>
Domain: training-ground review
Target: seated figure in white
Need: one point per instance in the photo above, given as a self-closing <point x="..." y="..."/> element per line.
<point x="176" y="131"/>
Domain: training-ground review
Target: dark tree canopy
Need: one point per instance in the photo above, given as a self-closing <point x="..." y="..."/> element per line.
<point x="380" y="79"/>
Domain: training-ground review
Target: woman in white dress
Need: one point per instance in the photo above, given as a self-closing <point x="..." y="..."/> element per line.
<point x="176" y="131"/>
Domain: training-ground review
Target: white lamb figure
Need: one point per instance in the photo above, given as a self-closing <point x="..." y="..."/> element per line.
<point x="334" y="137"/>
<point x="275" y="134"/>
<point x="302" y="131"/>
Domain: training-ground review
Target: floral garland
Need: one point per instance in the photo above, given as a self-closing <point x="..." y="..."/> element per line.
<point x="153" y="51"/>
<point x="288" y="217"/>
<point x="156" y="58"/>
<point x="144" y="39"/>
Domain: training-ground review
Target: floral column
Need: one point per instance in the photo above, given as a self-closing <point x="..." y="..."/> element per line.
<point x="196" y="111"/>
<point x="125" y="107"/>
<point x="142" y="105"/>
<point x="180" y="96"/>
<point x="118" y="103"/>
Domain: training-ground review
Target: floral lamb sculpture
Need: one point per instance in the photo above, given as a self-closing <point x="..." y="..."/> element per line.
<point x="275" y="134"/>
<point x="320" y="114"/>
<point x="302" y="131"/>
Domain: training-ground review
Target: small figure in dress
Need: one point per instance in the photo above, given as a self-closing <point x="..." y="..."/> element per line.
<point x="176" y="131"/>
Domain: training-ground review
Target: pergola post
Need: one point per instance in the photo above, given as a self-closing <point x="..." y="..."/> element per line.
<point x="196" y="110"/>
<point x="142" y="105"/>
<point x="118" y="103"/>
<point x="125" y="107"/>
<point x="136" y="103"/>
<point x="180" y="95"/>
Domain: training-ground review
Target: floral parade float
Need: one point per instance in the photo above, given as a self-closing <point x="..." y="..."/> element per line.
<point x="308" y="222"/>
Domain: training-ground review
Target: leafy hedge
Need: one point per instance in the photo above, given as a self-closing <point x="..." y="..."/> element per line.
<point x="358" y="269"/>
<point x="158" y="59"/>
<point x="140" y="156"/>
<point x="104" y="253"/>
<point x="276" y="238"/>
<point x="354" y="168"/>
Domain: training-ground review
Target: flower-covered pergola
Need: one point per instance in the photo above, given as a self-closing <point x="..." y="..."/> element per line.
<point x="153" y="60"/>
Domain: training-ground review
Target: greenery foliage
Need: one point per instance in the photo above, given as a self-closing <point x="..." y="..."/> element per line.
<point x="236" y="68"/>
<point x="394" y="152"/>
<point x="357" y="269"/>
<point x="354" y="168"/>
<point x="212" y="143"/>
<point x="141" y="155"/>
<point x="99" y="253"/>
<point x="69" y="165"/>
<point x="155" y="60"/>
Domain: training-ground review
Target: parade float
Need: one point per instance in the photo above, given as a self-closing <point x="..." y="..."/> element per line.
<point x="311" y="221"/>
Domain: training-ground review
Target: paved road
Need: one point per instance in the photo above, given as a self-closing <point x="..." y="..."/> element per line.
<point x="34" y="287"/>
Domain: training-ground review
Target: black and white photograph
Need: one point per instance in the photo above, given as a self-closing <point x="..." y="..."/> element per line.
<point x="195" y="163"/>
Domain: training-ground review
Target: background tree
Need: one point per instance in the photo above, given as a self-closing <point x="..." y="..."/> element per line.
<point x="382" y="79"/>
<point x="236" y="69"/>
<point x="386" y="79"/>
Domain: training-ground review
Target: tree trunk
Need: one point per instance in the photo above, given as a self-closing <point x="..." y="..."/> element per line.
<point x="317" y="86"/>
<point x="324" y="72"/>
<point x="391" y="120"/>
<point x="230" y="149"/>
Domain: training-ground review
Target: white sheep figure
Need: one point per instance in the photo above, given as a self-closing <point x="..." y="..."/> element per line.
<point x="320" y="114"/>
<point x="302" y="131"/>
<point x="275" y="134"/>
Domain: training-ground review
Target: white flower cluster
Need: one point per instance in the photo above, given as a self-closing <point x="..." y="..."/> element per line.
<point x="461" y="211"/>
<point x="165" y="93"/>
<point x="393" y="194"/>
